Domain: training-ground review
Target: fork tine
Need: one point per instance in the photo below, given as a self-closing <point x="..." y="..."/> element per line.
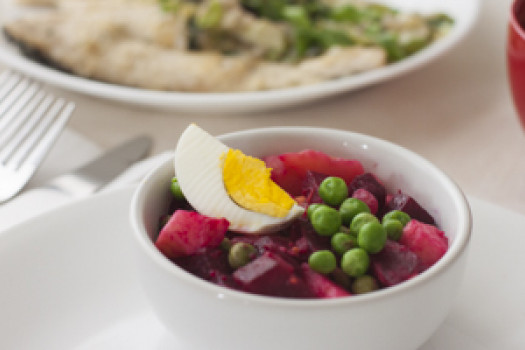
<point x="10" y="81"/>
<point x="13" y="95"/>
<point x="18" y="132"/>
<point x="11" y="114"/>
<point x="30" y="122"/>
<point x="49" y="138"/>
<point x="35" y="133"/>
<point x="7" y="130"/>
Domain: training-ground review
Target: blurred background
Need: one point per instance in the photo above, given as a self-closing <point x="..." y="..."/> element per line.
<point x="456" y="111"/>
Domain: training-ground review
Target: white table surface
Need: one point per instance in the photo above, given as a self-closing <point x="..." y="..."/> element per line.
<point x="457" y="112"/>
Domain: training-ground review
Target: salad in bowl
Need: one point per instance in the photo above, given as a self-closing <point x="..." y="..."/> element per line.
<point x="317" y="237"/>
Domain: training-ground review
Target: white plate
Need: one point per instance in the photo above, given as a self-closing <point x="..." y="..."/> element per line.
<point x="68" y="282"/>
<point x="464" y="12"/>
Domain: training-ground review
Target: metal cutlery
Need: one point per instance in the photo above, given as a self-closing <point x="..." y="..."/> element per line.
<point x="30" y="122"/>
<point x="76" y="184"/>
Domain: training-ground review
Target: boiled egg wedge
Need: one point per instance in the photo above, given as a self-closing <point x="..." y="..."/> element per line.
<point x="222" y="182"/>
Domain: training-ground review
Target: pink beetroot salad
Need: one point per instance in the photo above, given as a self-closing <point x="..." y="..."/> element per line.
<point x="278" y="264"/>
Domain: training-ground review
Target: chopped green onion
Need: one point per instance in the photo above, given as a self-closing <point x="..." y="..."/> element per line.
<point x="296" y="15"/>
<point x="346" y="13"/>
<point x="212" y="17"/>
<point x="169" y="5"/>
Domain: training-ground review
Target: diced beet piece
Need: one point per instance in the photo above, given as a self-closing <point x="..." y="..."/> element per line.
<point x="286" y="176"/>
<point x="388" y="199"/>
<point x="301" y="250"/>
<point x="263" y="243"/>
<point x="272" y="243"/>
<point x="310" y="187"/>
<point x="210" y="264"/>
<point x="289" y="169"/>
<point x="271" y="275"/>
<point x="409" y="205"/>
<point x="296" y="287"/>
<point x="224" y="280"/>
<point x="250" y="239"/>
<point x="394" y="264"/>
<point x="322" y="163"/>
<point x="427" y="241"/>
<point x="187" y="232"/>
<point x="306" y="239"/>
<point x="369" y="182"/>
<point x="368" y="198"/>
<point x="320" y="285"/>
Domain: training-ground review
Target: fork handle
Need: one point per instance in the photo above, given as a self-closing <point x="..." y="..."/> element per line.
<point x="30" y="204"/>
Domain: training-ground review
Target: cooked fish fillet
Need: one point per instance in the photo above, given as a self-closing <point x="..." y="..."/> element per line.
<point x="337" y="62"/>
<point x="139" y="45"/>
<point x="57" y="2"/>
<point x="37" y="2"/>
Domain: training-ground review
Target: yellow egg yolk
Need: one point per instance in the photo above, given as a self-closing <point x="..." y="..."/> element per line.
<point x="247" y="181"/>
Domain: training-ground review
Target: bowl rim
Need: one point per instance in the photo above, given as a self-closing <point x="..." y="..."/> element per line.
<point x="454" y="252"/>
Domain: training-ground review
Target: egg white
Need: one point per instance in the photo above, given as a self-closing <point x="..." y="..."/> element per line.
<point x="198" y="167"/>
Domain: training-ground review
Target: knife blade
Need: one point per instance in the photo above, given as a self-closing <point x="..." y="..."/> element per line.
<point x="95" y="174"/>
<point x="78" y="183"/>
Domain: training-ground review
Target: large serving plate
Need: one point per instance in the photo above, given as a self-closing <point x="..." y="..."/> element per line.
<point x="68" y="282"/>
<point x="464" y="12"/>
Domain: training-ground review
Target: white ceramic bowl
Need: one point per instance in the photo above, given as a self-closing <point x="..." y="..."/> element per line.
<point x="206" y="316"/>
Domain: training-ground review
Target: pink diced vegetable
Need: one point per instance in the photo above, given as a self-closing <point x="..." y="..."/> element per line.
<point x="289" y="169"/>
<point x="427" y="241"/>
<point x="187" y="232"/>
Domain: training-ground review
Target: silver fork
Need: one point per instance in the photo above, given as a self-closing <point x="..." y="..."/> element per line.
<point x="30" y="122"/>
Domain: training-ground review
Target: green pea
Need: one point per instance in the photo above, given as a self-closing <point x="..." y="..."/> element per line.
<point x="325" y="220"/>
<point x="175" y="189"/>
<point x="393" y="228"/>
<point x="225" y="244"/>
<point x="311" y="208"/>
<point x="333" y="191"/>
<point x="350" y="208"/>
<point x="241" y="254"/>
<point x="372" y="237"/>
<point x="341" y="242"/>
<point x="355" y="262"/>
<point x="322" y="261"/>
<point x="364" y="284"/>
<point x="359" y="220"/>
<point x="403" y="217"/>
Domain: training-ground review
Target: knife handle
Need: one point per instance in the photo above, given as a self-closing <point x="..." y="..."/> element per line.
<point x="30" y="204"/>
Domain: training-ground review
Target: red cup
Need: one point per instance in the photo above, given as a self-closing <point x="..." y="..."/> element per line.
<point x="516" y="56"/>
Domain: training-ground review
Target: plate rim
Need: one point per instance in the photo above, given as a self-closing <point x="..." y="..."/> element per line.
<point x="238" y="101"/>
